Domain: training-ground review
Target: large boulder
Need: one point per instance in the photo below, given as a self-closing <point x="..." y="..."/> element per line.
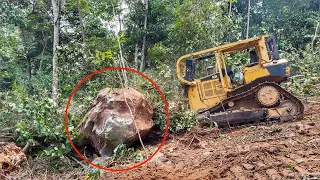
<point x="113" y="117"/>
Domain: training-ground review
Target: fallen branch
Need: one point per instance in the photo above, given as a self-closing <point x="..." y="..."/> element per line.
<point x="5" y="138"/>
<point x="6" y="129"/>
<point x="314" y="102"/>
<point x="313" y="159"/>
<point x="314" y="37"/>
<point x="111" y="163"/>
<point x="270" y="139"/>
<point x="74" y="159"/>
<point x="26" y="147"/>
<point x="191" y="141"/>
<point x="221" y="158"/>
<point x="316" y="146"/>
<point x="3" y="143"/>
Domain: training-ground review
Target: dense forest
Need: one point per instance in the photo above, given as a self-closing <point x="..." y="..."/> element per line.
<point x="47" y="47"/>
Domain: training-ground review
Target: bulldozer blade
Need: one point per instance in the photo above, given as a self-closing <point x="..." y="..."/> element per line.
<point x="224" y="120"/>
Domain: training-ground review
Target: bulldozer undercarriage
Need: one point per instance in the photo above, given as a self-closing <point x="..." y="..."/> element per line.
<point x="260" y="104"/>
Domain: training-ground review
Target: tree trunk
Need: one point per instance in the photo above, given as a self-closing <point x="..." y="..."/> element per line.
<point x="143" y="49"/>
<point x="248" y="20"/>
<point x="45" y="39"/>
<point x="119" y="16"/>
<point x="83" y="33"/>
<point x="29" y="69"/>
<point x="230" y="8"/>
<point x="122" y="61"/>
<point x="136" y="62"/>
<point x="56" y="5"/>
<point x="314" y="37"/>
<point x="24" y="40"/>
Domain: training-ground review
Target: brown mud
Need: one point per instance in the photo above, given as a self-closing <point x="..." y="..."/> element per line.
<point x="278" y="151"/>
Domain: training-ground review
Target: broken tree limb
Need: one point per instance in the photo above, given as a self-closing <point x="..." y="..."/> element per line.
<point x="6" y="129"/>
<point x="75" y="160"/>
<point x="314" y="37"/>
<point x="26" y="147"/>
<point x="314" y="102"/>
<point x="5" y="138"/>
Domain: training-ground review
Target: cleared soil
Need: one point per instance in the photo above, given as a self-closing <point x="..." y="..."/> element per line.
<point x="278" y="151"/>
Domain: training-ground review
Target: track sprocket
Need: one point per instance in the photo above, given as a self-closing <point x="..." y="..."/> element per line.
<point x="268" y="96"/>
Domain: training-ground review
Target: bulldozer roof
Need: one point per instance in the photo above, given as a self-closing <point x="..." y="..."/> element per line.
<point x="229" y="48"/>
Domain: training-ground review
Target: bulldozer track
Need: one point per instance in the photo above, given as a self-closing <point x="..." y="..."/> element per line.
<point x="251" y="91"/>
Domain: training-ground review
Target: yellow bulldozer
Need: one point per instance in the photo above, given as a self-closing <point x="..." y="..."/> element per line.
<point x="252" y="95"/>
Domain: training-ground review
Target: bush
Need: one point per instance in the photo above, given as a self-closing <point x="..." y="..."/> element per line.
<point x="181" y="118"/>
<point x="306" y="68"/>
<point x="38" y="122"/>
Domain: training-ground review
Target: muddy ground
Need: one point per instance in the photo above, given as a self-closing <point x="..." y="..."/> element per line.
<point x="278" y="151"/>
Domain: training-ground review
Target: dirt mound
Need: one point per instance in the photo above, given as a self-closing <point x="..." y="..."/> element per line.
<point x="109" y="121"/>
<point x="11" y="157"/>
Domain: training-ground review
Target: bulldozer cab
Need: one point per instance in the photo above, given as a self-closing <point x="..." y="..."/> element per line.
<point x="209" y="79"/>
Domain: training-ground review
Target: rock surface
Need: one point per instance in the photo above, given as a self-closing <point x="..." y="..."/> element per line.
<point x="109" y="121"/>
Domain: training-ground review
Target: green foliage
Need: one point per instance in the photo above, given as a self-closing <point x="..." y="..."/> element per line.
<point x="181" y="120"/>
<point x="122" y="151"/>
<point x="121" y="154"/>
<point x="288" y="166"/>
<point x="201" y="25"/>
<point x="292" y="21"/>
<point x="306" y="68"/>
<point x="159" y="53"/>
<point x="94" y="174"/>
<point x="37" y="122"/>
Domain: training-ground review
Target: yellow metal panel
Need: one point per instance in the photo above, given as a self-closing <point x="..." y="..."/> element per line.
<point x="207" y="85"/>
<point x="255" y="72"/>
<point x="226" y="78"/>
<point x="205" y="94"/>
<point x="263" y="51"/>
<point x="218" y="61"/>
